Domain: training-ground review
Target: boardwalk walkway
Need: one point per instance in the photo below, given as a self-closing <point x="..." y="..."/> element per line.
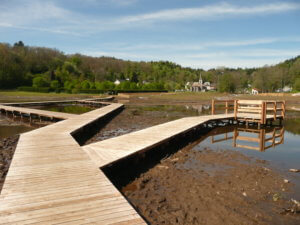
<point x="53" y="180"/>
<point x="107" y="151"/>
<point x="38" y="112"/>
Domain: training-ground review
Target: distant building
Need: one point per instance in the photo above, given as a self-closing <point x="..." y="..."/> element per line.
<point x="117" y="82"/>
<point x="199" y="86"/>
<point x="287" y="89"/>
<point x="254" y="91"/>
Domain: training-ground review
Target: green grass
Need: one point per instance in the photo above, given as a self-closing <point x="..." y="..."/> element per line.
<point x="188" y="96"/>
<point x="20" y="96"/>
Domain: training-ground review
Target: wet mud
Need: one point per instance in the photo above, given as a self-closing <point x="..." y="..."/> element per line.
<point x="134" y="118"/>
<point x="7" y="150"/>
<point x="211" y="187"/>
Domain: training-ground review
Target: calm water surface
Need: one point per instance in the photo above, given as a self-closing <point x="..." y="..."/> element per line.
<point x="66" y="108"/>
<point x="279" y="145"/>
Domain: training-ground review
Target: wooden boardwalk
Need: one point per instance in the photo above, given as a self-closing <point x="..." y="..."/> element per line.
<point x="37" y="112"/>
<point x="107" y="151"/>
<point x="53" y="180"/>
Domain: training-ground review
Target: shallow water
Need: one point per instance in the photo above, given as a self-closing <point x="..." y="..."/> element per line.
<point x="282" y="152"/>
<point x="66" y="108"/>
<point x="11" y="130"/>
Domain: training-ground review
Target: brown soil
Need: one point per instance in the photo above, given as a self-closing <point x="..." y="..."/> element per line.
<point x="134" y="118"/>
<point x="7" y="150"/>
<point x="209" y="187"/>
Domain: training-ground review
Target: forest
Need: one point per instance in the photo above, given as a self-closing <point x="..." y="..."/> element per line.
<point x="44" y="69"/>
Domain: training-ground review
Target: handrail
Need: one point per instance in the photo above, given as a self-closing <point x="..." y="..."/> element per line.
<point x="226" y="107"/>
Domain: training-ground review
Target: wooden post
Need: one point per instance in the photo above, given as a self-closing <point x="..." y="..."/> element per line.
<point x="226" y="109"/>
<point x="235" y="133"/>
<point x="283" y="109"/>
<point x="275" y="110"/>
<point x="235" y="108"/>
<point x="213" y="107"/>
<point x="263" y="113"/>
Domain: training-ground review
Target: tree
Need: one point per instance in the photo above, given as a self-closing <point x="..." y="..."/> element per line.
<point x="55" y="84"/>
<point x="226" y="83"/>
<point x="19" y="44"/>
<point x="297" y="84"/>
<point x="40" y="82"/>
<point x="85" y="84"/>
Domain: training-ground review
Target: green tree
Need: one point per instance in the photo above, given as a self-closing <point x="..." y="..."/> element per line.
<point x="55" y="84"/>
<point x="85" y="84"/>
<point x="297" y="84"/>
<point x="226" y="83"/>
<point x="40" y="82"/>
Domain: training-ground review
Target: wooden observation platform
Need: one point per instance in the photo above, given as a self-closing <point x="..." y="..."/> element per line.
<point x="252" y="111"/>
<point x="54" y="180"/>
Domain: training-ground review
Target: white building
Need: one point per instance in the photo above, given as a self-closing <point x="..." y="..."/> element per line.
<point x="199" y="86"/>
<point x="254" y="91"/>
<point x="117" y="82"/>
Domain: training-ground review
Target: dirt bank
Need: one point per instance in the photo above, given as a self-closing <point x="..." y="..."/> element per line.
<point x="134" y="118"/>
<point x="7" y="150"/>
<point x="209" y="187"/>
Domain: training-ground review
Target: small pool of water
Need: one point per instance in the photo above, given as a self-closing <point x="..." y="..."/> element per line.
<point x="10" y="127"/>
<point x="66" y="108"/>
<point x="11" y="130"/>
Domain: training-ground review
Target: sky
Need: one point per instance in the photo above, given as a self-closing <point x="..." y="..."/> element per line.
<point x="194" y="33"/>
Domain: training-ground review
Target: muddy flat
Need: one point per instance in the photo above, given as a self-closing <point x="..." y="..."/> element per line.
<point x="210" y="187"/>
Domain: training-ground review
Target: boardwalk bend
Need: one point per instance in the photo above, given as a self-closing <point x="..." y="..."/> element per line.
<point x="53" y="180"/>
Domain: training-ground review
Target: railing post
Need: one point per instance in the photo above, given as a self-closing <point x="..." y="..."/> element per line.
<point x="226" y="109"/>
<point x="235" y="108"/>
<point x="213" y="107"/>
<point x="283" y="109"/>
<point x="263" y="113"/>
<point x="275" y="110"/>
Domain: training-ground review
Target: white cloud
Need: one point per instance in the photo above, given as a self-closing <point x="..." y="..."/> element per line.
<point x="210" y="12"/>
<point x="209" y="59"/>
<point x="123" y="2"/>
<point x="199" y="46"/>
<point x="49" y="16"/>
<point x="32" y="12"/>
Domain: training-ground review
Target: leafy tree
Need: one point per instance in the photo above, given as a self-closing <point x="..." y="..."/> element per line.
<point x="226" y="83"/>
<point x="297" y="84"/>
<point x="19" y="44"/>
<point x="85" y="84"/>
<point x="40" y="82"/>
<point x="55" y="84"/>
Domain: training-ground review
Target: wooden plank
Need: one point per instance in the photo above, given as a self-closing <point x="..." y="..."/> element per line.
<point x="250" y="139"/>
<point x="250" y="102"/>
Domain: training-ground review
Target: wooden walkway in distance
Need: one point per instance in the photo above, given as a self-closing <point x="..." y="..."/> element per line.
<point x="38" y="112"/>
<point x="52" y="181"/>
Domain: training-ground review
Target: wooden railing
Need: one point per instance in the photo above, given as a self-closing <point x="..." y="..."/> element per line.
<point x="265" y="139"/>
<point x="251" y="138"/>
<point x="259" y="110"/>
<point x="223" y="104"/>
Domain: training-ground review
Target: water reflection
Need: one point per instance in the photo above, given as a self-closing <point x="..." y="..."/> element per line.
<point x="250" y="138"/>
<point x="66" y="108"/>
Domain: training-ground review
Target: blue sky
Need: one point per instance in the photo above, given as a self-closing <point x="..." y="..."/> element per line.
<point x="200" y="34"/>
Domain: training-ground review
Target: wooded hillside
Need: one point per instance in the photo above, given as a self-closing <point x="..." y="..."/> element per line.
<point x="40" y="67"/>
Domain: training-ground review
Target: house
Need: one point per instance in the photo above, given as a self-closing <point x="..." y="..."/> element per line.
<point x="254" y="91"/>
<point x="117" y="82"/>
<point x="287" y="89"/>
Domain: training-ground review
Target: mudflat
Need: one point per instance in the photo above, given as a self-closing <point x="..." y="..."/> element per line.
<point x="212" y="187"/>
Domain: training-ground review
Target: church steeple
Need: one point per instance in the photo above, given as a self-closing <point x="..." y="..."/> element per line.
<point x="200" y="80"/>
